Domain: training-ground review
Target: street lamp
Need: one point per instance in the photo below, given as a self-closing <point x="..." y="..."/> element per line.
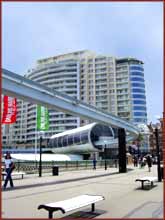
<point x="105" y="155"/>
<point x="40" y="161"/>
<point x="35" y="147"/>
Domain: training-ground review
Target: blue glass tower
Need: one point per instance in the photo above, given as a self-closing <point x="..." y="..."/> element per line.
<point x="137" y="84"/>
<point x="130" y="72"/>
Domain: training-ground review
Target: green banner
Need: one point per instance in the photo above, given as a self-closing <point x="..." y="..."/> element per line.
<point x="42" y="118"/>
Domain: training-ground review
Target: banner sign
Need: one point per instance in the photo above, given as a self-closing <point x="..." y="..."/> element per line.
<point x="9" y="110"/>
<point x="42" y="118"/>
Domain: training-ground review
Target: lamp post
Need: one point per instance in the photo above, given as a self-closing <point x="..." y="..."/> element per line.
<point x="40" y="161"/>
<point x="35" y="148"/>
<point x="158" y="154"/>
<point x="105" y="156"/>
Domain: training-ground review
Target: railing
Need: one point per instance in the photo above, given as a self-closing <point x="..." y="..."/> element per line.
<point x="32" y="167"/>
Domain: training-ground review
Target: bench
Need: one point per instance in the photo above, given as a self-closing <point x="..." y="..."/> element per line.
<point x="149" y="179"/>
<point x="71" y="204"/>
<point x="13" y="174"/>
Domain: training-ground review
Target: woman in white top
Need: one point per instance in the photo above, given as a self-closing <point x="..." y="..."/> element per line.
<point x="8" y="168"/>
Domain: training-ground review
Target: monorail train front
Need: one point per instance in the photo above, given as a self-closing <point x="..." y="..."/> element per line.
<point x="89" y="138"/>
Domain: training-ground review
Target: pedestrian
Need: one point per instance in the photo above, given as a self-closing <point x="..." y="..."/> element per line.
<point x="135" y="160"/>
<point x="140" y="162"/>
<point x="149" y="162"/>
<point x="94" y="163"/>
<point x="144" y="161"/>
<point x="9" y="166"/>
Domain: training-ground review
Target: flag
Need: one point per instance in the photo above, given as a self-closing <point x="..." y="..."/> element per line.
<point x="42" y="118"/>
<point x="9" y="110"/>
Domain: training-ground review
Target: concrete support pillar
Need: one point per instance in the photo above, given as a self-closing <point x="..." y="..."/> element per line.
<point x="122" y="150"/>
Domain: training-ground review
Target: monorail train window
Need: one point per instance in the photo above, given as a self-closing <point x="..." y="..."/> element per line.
<point x="65" y="141"/>
<point x="84" y="137"/>
<point x="59" y="141"/>
<point x="94" y="137"/>
<point x="106" y="131"/>
<point x="99" y="131"/>
<point x="55" y="143"/>
<point x="50" y="143"/>
<point x="70" y="140"/>
<point x="77" y="138"/>
<point x="102" y="130"/>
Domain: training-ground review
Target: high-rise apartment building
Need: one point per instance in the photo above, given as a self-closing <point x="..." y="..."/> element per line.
<point x="130" y="90"/>
<point x="112" y="84"/>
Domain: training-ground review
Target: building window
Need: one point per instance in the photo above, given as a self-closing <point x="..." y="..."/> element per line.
<point x="139" y="79"/>
<point x="141" y="85"/>
<point x="140" y="102"/>
<point x="136" y="68"/>
<point x="138" y="90"/>
<point x="139" y="108"/>
<point x="140" y="120"/>
<point x="137" y="74"/>
<point x="140" y="114"/>
<point x="100" y="59"/>
<point x="139" y="96"/>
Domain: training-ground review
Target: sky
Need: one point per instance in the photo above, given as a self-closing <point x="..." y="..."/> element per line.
<point x="32" y="31"/>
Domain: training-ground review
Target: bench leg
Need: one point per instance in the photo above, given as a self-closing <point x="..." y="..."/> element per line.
<point x="50" y="215"/>
<point x="93" y="207"/>
<point x="152" y="183"/>
<point x="22" y="176"/>
<point x="142" y="184"/>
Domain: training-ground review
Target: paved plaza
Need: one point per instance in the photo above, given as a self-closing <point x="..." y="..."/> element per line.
<point x="124" y="197"/>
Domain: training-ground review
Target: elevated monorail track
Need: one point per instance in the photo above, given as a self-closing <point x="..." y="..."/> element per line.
<point x="15" y="85"/>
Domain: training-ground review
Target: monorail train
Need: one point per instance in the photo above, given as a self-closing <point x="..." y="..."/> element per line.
<point x="89" y="138"/>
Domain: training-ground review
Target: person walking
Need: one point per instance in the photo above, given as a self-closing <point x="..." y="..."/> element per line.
<point x="9" y="166"/>
<point x="135" y="160"/>
<point x="94" y="163"/>
<point x="149" y="162"/>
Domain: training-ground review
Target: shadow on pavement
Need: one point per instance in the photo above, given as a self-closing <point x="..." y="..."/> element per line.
<point x="146" y="187"/>
<point x="85" y="214"/>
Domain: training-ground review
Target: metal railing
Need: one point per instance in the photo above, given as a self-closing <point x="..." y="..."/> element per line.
<point x="32" y="167"/>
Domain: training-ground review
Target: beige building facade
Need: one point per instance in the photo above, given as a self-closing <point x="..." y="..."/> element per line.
<point x="99" y="80"/>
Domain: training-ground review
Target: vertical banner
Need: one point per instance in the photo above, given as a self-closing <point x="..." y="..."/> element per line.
<point x="42" y="118"/>
<point x="9" y="110"/>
